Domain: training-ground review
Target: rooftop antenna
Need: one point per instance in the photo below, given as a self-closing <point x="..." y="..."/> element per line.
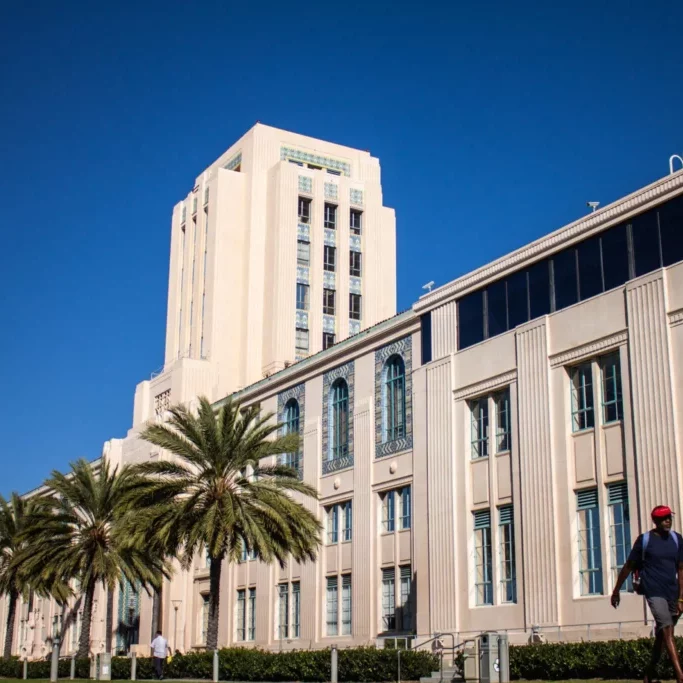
<point x="428" y="286"/>
<point x="593" y="205"/>
<point x="671" y="162"/>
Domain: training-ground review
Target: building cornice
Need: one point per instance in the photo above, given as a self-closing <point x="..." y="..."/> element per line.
<point x="594" y="222"/>
<point x="587" y="350"/>
<point x="676" y="318"/>
<point x="491" y="384"/>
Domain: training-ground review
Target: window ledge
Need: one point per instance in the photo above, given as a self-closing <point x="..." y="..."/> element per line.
<point x="597" y="596"/>
<point x="588" y="430"/>
<point x="506" y="452"/>
<point x="479" y="458"/>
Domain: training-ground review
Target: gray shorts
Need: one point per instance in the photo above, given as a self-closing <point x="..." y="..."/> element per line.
<point x="665" y="612"/>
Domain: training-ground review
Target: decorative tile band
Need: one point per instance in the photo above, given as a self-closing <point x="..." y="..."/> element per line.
<point x="356" y="197"/>
<point x="384" y="446"/>
<point x="355" y="285"/>
<point x="305" y="184"/>
<point x="331" y="191"/>
<point x="354" y="242"/>
<point x="315" y="159"/>
<point x="234" y="162"/>
<point x="302" y="275"/>
<point x="298" y="393"/>
<point x="354" y="326"/>
<point x="337" y="464"/>
<point x="329" y="280"/>
<point x="345" y="372"/>
<point x="303" y="232"/>
<point x="330" y="237"/>
<point x="302" y="320"/>
<point x="329" y="324"/>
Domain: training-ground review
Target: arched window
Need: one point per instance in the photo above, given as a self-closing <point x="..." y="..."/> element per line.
<point x="291" y="426"/>
<point x="339" y="420"/>
<point x="394" y="408"/>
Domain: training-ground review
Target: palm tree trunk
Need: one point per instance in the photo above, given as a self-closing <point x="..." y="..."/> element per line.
<point x="214" y="598"/>
<point x="156" y="609"/>
<point x="110" y="619"/>
<point x="12" y="598"/>
<point x="84" y="641"/>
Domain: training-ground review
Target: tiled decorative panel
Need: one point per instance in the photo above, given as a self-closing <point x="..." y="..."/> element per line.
<point x="308" y="158"/>
<point x="302" y="274"/>
<point x="404" y="348"/>
<point x="303" y="232"/>
<point x="354" y="327"/>
<point x="329" y="378"/>
<point x="354" y="284"/>
<point x="299" y="394"/>
<point x="330" y="237"/>
<point x="356" y="197"/>
<point x="234" y="162"/>
<point x="128" y="614"/>
<point x="354" y="243"/>
<point x="305" y="184"/>
<point x="329" y="280"/>
<point x="302" y="320"/>
<point x="329" y="324"/>
<point x="331" y="191"/>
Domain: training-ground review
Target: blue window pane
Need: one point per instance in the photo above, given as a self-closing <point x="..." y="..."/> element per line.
<point x="496" y="308"/>
<point x="518" y="299"/>
<point x="471" y="319"/>
<point x="615" y="256"/>
<point x="426" y="341"/>
<point x="671" y="230"/>
<point x="565" y="281"/>
<point x="645" y="236"/>
<point x="539" y="289"/>
<point x="590" y="268"/>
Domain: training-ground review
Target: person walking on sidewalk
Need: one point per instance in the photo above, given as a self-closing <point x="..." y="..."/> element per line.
<point x="159" y="649"/>
<point x="657" y="556"/>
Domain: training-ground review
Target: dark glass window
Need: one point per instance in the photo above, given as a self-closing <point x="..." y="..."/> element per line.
<point x="539" y="289"/>
<point x="564" y="271"/>
<point x="671" y="230"/>
<point x="496" y="308"/>
<point x="471" y="319"/>
<point x="518" y="300"/>
<point x="645" y="240"/>
<point x="615" y="256"/>
<point x="426" y="338"/>
<point x="590" y="268"/>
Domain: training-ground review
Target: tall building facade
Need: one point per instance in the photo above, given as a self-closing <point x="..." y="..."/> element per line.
<point x="505" y="440"/>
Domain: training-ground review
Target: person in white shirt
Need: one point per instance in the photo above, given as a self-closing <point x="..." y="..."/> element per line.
<point x="159" y="649"/>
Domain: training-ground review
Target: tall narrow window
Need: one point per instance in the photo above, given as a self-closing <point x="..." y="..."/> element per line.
<point x="301" y="340"/>
<point x="355" y="268"/>
<point x="330" y="215"/>
<point x="355" y="307"/>
<point x="304" y="210"/>
<point x="302" y="295"/>
<point x="483" y="560"/>
<point x="329" y="258"/>
<point x="333" y="524"/>
<point x="347" y="510"/>
<point x="405" y="497"/>
<point x="291" y="425"/>
<point x="205" y="617"/>
<point x="480" y="427"/>
<point x="283" y="611"/>
<point x="303" y="253"/>
<point x="356" y="221"/>
<point x="328" y="340"/>
<point x="296" y="609"/>
<point x="406" y="602"/>
<point x="332" y="607"/>
<point x="251" y="634"/>
<point x="582" y="397"/>
<point x="346" y="605"/>
<point x="508" y="574"/>
<point x="389" y="511"/>
<point x="590" y="551"/>
<point x="329" y="307"/>
<point x="339" y="424"/>
<point x="503" y="440"/>
<point x="389" y="599"/>
<point x="241" y="620"/>
<point x="394" y="399"/>
<point x="619" y="530"/>
<point x="612" y="406"/>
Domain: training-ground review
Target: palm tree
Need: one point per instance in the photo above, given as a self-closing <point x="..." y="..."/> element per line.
<point x="13" y="515"/>
<point x="79" y="531"/>
<point x="206" y="499"/>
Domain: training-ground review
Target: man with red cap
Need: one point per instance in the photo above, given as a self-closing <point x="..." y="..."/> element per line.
<point x="657" y="558"/>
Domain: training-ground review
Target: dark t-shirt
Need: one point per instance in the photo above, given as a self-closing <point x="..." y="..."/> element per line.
<point x="659" y="571"/>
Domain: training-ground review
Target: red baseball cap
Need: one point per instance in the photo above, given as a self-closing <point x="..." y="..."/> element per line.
<point x="661" y="511"/>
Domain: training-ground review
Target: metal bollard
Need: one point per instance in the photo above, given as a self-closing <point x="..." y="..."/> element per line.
<point x="54" y="664"/>
<point x="133" y="666"/>
<point x="398" y="678"/>
<point x="72" y="673"/>
<point x="215" y="665"/>
<point x="25" y="670"/>
<point x="333" y="665"/>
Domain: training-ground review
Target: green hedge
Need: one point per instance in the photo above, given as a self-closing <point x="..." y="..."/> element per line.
<point x="245" y="664"/>
<point x="614" y="659"/>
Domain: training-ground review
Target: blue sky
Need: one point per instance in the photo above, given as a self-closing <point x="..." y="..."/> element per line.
<point x="494" y="123"/>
